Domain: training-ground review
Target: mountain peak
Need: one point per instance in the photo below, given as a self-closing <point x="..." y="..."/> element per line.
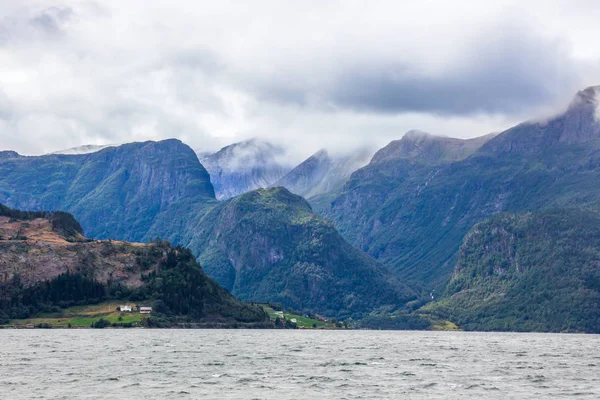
<point x="323" y="172"/>
<point x="580" y="123"/>
<point x="421" y="146"/>
<point x="587" y="98"/>
<point x="244" y="166"/>
<point x="418" y="134"/>
<point x="6" y="154"/>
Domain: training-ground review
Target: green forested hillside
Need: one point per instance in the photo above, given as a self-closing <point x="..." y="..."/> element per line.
<point x="269" y="245"/>
<point x="411" y="209"/>
<point x="527" y="272"/>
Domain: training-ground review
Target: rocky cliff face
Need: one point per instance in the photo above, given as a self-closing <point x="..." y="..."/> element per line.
<point x="117" y="192"/>
<point x="322" y="172"/>
<point x="245" y="166"/>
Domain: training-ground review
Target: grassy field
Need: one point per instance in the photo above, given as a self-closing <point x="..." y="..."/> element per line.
<point x="83" y="317"/>
<point x="301" y="321"/>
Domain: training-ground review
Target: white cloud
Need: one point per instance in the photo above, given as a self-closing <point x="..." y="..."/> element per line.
<point x="311" y="74"/>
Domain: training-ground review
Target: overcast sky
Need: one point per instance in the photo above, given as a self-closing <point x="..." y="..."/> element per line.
<point x="310" y="73"/>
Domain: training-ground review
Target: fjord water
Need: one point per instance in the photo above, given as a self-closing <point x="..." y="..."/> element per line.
<point x="247" y="364"/>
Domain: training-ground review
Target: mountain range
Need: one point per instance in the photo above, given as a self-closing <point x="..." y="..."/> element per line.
<point x="384" y="236"/>
<point x="142" y="191"/>
<point x="412" y="205"/>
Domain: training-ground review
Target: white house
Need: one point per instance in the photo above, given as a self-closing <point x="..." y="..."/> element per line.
<point x="125" y="308"/>
<point x="145" y="310"/>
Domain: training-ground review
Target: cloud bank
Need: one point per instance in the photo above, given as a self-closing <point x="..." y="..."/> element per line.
<point x="306" y="74"/>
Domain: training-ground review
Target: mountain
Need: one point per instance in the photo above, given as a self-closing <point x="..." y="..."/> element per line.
<point x="527" y="272"/>
<point x="85" y="149"/>
<point x="268" y="244"/>
<point x="322" y="173"/>
<point x="128" y="192"/>
<point x="578" y="125"/>
<point x="245" y="166"/>
<point x="412" y="205"/>
<point x="47" y="264"/>
<point x="263" y="245"/>
<point x="424" y="147"/>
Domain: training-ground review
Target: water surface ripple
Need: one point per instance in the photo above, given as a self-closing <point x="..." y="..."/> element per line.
<point x="253" y="364"/>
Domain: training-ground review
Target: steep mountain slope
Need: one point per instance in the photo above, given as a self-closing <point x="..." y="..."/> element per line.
<point x="245" y="166"/>
<point x="121" y="192"/>
<point x="269" y="245"/>
<point x="46" y="262"/>
<point x="322" y="173"/>
<point x="412" y="210"/>
<point x="533" y="271"/>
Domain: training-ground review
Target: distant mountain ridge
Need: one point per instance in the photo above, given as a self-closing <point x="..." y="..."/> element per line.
<point x="119" y="192"/>
<point x="322" y="172"/>
<point x="84" y="149"/>
<point x="427" y="148"/>
<point x="412" y="205"/>
<point x="245" y="166"/>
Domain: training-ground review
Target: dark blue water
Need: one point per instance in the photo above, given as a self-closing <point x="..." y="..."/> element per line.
<point x="244" y="364"/>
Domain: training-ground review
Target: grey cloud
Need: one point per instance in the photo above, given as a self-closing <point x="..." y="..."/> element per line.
<point x="51" y="20"/>
<point x="331" y="74"/>
<point x="510" y="73"/>
<point x="25" y="25"/>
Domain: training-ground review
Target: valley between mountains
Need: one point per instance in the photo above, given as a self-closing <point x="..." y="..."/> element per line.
<point x="498" y="232"/>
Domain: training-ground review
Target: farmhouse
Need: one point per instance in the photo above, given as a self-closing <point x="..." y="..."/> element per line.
<point x="145" y="310"/>
<point x="125" y="308"/>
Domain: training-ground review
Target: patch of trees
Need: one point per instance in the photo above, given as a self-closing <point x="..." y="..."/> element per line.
<point x="65" y="290"/>
<point x="180" y="288"/>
